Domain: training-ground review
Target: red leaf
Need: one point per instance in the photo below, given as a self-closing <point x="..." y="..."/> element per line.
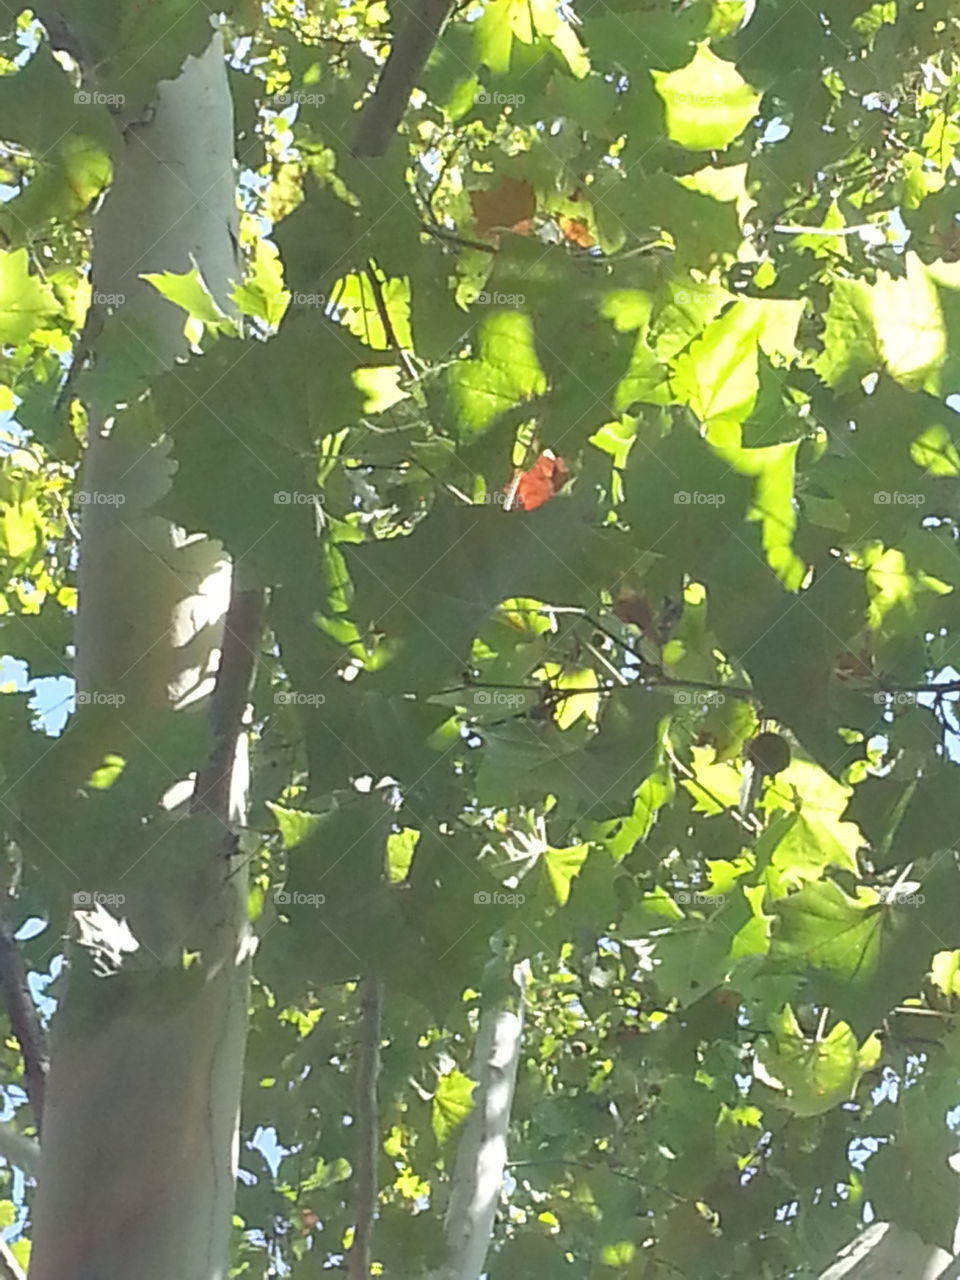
<point x="540" y="482"/>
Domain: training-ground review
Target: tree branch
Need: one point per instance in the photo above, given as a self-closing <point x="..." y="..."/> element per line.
<point x="24" y="1019"/>
<point x="368" y="1127"/>
<point x="411" y="48"/>
<point x="945" y="686"/>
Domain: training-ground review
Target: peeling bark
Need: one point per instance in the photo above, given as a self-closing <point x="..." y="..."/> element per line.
<point x="139" y="1153"/>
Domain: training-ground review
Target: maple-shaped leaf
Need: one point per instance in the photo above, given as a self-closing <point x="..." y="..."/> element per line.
<point x="509" y="206"/>
<point x="539" y="483"/>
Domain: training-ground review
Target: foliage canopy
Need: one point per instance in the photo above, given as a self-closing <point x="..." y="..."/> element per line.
<point x="709" y="258"/>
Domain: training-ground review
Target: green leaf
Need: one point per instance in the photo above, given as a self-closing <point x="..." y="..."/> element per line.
<point x="429" y="592"/>
<point x="708" y="103"/>
<point x="682" y="498"/>
<point x="714" y="787"/>
<point x="261" y="293"/>
<point x="189" y="291"/>
<point x="452" y="1103"/>
<point x="358" y="309"/>
<point x="505" y="371"/>
<point x="898" y="323"/>
<point x="718" y="376"/>
<point x="774" y="505"/>
<point x="401" y="846"/>
<point x="829" y="929"/>
<point x="865" y="955"/>
<point x="561" y="865"/>
<point x="910" y="326"/>
<point x="22" y="526"/>
<point x="493" y="36"/>
<point x="223" y="411"/>
<point x="296" y="825"/>
<point x="850" y="346"/>
<point x="136" y="48"/>
<point x="812" y="844"/>
<point x="548" y="22"/>
<point x="695" y="956"/>
<point x="25" y="302"/>
<point x="815" y="1074"/>
<point x="596" y="773"/>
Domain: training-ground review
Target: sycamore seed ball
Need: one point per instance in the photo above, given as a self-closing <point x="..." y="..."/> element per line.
<point x="769" y="752"/>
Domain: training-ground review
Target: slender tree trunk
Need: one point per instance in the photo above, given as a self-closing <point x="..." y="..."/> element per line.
<point x="482" y="1153"/>
<point x="140" y="1132"/>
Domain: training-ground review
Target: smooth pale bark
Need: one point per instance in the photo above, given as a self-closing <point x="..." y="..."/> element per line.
<point x="482" y="1153"/>
<point x="139" y="1149"/>
<point x="885" y="1251"/>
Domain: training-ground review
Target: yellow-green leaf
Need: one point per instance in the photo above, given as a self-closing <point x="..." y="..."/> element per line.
<point x="708" y="103"/>
<point x="452" y="1103"/>
<point x="561" y="866"/>
<point x="24" y="301"/>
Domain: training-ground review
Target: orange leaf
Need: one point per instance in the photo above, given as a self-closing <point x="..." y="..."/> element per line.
<point x="540" y="482"/>
<point x="509" y="206"/>
<point x="576" y="229"/>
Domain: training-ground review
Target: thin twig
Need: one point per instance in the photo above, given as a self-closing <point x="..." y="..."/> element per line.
<point x="753" y="826"/>
<point x="441" y="174"/>
<point x="389" y="331"/>
<point x="451" y="237"/>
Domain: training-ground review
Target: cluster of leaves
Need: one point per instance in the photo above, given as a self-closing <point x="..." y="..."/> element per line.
<point x="711" y="265"/>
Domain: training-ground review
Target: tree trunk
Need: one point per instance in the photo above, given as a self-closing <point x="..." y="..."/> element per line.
<point x="482" y="1153"/>
<point x="885" y="1251"/>
<point x="139" y="1150"/>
